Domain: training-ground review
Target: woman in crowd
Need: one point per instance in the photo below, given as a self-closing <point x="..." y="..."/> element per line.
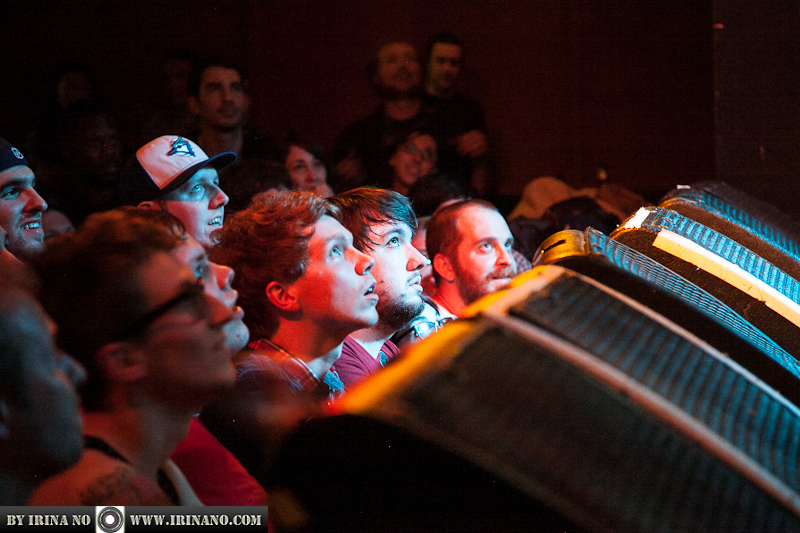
<point x="305" y="160"/>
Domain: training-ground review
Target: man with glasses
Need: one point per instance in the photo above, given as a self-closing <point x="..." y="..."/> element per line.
<point x="382" y="223"/>
<point x="153" y="345"/>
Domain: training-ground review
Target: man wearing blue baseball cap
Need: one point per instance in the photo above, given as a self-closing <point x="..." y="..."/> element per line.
<point x="21" y="206"/>
<point x="174" y="174"/>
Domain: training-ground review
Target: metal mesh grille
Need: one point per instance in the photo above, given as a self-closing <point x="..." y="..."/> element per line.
<point x="705" y="387"/>
<point x="589" y="451"/>
<point x="642" y="266"/>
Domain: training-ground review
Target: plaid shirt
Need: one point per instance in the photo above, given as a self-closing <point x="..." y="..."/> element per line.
<point x="294" y="371"/>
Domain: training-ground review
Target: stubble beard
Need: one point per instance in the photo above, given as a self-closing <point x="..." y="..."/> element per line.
<point x="397" y="315"/>
<point x="471" y="289"/>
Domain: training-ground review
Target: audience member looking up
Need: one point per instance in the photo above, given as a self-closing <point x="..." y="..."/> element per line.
<point x="216" y="279"/>
<point x="363" y="148"/>
<point x="382" y="223"/>
<point x="40" y="426"/>
<point x="154" y="348"/>
<point x="470" y="246"/>
<point x="21" y="206"/>
<point x="304" y="288"/>
<point x="173" y="174"/>
<point x="213" y="473"/>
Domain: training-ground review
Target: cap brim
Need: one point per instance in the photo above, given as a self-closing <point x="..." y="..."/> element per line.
<point x="217" y="162"/>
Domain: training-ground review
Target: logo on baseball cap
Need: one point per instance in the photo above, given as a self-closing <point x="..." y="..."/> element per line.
<point x="10" y="156"/>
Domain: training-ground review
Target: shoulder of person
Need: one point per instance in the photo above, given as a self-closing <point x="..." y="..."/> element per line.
<point x="98" y="479"/>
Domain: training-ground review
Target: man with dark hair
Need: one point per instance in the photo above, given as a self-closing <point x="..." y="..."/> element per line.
<point x="173" y="174"/>
<point x="218" y="98"/>
<point x="464" y="147"/>
<point x="362" y="150"/>
<point x="382" y="223"/>
<point x="304" y="288"/>
<point x="154" y="349"/>
<point x="470" y="244"/>
<point x="21" y="206"/>
<point x="40" y="426"/>
<point x="217" y="279"/>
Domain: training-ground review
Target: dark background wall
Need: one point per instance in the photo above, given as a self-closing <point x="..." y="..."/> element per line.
<point x="757" y="69"/>
<point x="565" y="84"/>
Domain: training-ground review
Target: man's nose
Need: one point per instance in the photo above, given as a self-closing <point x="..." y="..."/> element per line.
<point x="34" y="202"/>
<point x="220" y="199"/>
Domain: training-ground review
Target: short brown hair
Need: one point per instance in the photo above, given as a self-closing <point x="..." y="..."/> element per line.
<point x="91" y="288"/>
<point x="364" y="207"/>
<point x="268" y="242"/>
<point x="442" y="235"/>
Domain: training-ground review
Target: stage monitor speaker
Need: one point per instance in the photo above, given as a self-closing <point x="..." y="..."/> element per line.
<point x="632" y="273"/>
<point x="582" y="407"/>
<point x="756" y="289"/>
<point x="752" y="223"/>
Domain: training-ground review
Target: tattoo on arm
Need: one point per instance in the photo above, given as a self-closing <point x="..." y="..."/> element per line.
<point x="123" y="486"/>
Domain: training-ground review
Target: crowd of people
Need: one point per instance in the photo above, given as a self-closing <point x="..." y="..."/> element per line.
<point x="166" y="322"/>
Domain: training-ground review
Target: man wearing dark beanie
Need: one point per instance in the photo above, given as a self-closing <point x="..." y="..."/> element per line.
<point x="21" y="206"/>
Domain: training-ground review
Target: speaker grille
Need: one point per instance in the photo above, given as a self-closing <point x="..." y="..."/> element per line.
<point x="727" y="401"/>
<point x="582" y="446"/>
<point x="642" y="266"/>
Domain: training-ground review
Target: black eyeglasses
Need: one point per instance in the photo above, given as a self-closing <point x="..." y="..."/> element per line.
<point x="418" y="331"/>
<point x="192" y="298"/>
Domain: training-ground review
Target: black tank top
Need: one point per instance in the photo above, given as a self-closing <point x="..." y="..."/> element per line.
<point x="95" y="443"/>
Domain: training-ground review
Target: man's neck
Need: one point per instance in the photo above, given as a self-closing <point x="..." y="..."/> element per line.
<point x="145" y="437"/>
<point x="215" y="141"/>
<point x="372" y="339"/>
<point x="447" y="296"/>
<point x="402" y="109"/>
<point x="318" y="348"/>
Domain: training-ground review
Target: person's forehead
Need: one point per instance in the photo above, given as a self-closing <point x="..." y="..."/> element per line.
<point x="190" y="252"/>
<point x="478" y="223"/>
<point x="383" y="229"/>
<point x="162" y="277"/>
<point x="393" y="49"/>
<point x="217" y="74"/>
<point x="298" y="152"/>
<point x="424" y="141"/>
<point x="204" y="175"/>
<point x="447" y="50"/>
<point x="325" y="229"/>
<point x="20" y="174"/>
<point x="26" y="317"/>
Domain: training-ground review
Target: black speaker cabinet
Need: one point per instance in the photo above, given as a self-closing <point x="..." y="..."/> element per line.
<point x="756" y="289"/>
<point x="632" y="273"/>
<point x="752" y="223"/>
<point x="563" y="405"/>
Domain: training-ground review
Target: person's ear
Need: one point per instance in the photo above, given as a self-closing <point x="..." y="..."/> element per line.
<point x="122" y="361"/>
<point x="150" y="204"/>
<point x="281" y="297"/>
<point x="443" y="266"/>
